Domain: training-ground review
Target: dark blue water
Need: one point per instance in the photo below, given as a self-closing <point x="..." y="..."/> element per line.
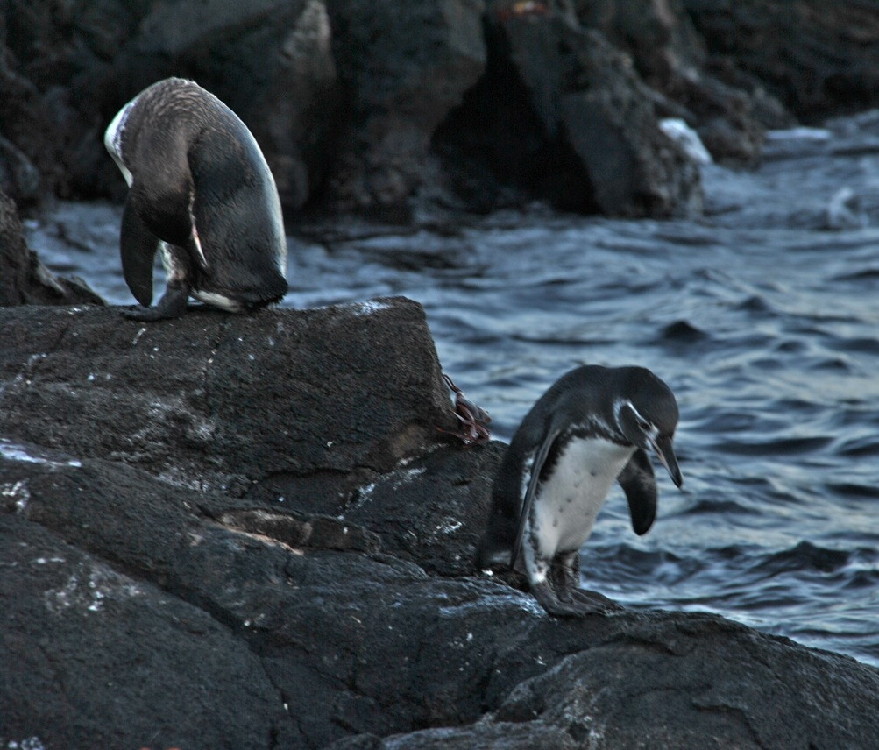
<point x="762" y="316"/>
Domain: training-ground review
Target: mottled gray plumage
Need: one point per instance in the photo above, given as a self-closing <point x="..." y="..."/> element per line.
<point x="202" y="193"/>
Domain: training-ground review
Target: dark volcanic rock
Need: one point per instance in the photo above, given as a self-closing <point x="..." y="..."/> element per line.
<point x="323" y="396"/>
<point x="561" y="114"/>
<point x="405" y="66"/>
<point x="431" y="511"/>
<point x="393" y="110"/>
<point x="669" y="56"/>
<point x="246" y="531"/>
<point x="23" y="278"/>
<point x="94" y="658"/>
<point x="19" y="178"/>
<point x="25" y="127"/>
<point x="68" y="67"/>
<point x="623" y="691"/>
<point x="589" y="100"/>
<point x="315" y="644"/>
<point x="819" y="57"/>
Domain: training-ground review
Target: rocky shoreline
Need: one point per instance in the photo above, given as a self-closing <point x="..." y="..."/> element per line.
<point x="402" y="111"/>
<point x="219" y="532"/>
<point x="257" y="531"/>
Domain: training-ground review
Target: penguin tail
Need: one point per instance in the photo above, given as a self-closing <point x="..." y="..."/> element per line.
<point x="251" y="296"/>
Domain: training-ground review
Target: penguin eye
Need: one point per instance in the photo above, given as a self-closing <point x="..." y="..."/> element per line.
<point x="643" y="425"/>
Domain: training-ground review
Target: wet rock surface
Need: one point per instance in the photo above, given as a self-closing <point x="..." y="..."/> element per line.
<point x="622" y="691"/>
<point x="242" y="532"/>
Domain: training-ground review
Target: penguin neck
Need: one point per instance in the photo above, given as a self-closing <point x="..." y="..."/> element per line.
<point x="594" y="430"/>
<point x="596" y="427"/>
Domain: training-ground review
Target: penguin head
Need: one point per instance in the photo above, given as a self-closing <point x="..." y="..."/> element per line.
<point x="647" y="415"/>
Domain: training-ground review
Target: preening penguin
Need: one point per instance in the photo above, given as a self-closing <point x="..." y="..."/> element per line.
<point x="200" y="191"/>
<point x="594" y="426"/>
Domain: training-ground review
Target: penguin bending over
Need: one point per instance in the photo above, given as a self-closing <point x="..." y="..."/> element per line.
<point x="200" y="191"/>
<point x="593" y="427"/>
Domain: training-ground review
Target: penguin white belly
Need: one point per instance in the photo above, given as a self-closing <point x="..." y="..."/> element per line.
<point x="568" y="502"/>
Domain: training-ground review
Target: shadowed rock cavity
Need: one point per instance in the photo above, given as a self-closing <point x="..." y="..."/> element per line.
<point x="560" y="114"/>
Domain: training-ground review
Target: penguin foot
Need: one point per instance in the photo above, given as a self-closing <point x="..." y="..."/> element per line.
<point x="599" y="602"/>
<point x="148" y="314"/>
<point x="172" y="305"/>
<point x="573" y="602"/>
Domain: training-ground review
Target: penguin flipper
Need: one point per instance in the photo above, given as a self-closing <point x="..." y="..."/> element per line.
<point x="527" y="501"/>
<point x="138" y="246"/>
<point x="639" y="483"/>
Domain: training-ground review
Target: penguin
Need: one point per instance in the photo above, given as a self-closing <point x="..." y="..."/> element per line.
<point x="200" y="192"/>
<point x="594" y="426"/>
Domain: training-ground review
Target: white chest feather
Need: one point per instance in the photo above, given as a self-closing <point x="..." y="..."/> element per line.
<point x="112" y="138"/>
<point x="567" y="504"/>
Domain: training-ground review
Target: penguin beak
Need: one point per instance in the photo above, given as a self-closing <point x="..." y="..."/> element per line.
<point x="666" y="455"/>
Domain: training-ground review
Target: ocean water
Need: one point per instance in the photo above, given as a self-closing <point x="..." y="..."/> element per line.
<point x="762" y="315"/>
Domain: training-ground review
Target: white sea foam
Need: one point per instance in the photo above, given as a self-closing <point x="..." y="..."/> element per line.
<point x="682" y="134"/>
